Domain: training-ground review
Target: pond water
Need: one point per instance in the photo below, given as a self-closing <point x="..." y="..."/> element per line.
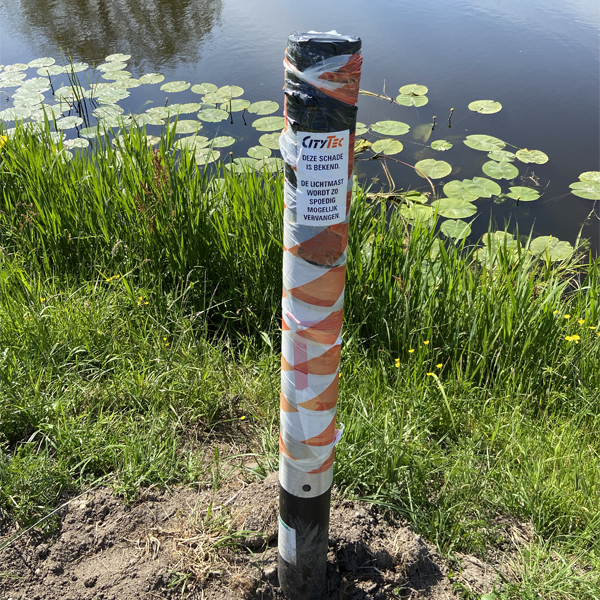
<point x="540" y="59"/>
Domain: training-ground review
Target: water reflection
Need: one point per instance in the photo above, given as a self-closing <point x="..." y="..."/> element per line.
<point x="157" y="33"/>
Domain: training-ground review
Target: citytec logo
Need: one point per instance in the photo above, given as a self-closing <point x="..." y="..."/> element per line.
<point x="331" y="141"/>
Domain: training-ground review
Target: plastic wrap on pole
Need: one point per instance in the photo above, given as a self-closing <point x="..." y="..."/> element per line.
<point x="322" y="75"/>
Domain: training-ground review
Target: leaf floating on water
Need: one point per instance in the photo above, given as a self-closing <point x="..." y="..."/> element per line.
<point x="360" y="145"/>
<point x="237" y="105"/>
<point x="272" y="163"/>
<point x="457" y="230"/>
<point x="390" y="127"/>
<point x="187" y="126"/>
<point x="259" y="152"/>
<point x="361" y="129"/>
<point x="125" y="84"/>
<point x="502" y="155"/>
<point x="112" y="96"/>
<point x="76" y="143"/>
<point x="204" y="88"/>
<point x="485" y="107"/>
<point x="28" y="100"/>
<point x="590" y="190"/>
<point x="109" y="110"/>
<point x="387" y="146"/>
<point x="410" y="100"/>
<point x="499" y="238"/>
<point x="111" y="66"/>
<point x="414" y="89"/>
<point x="68" y="122"/>
<point x="15" y="114"/>
<point x="523" y="194"/>
<point x="214" y="98"/>
<point x="213" y="115"/>
<point x="116" y="75"/>
<point x="230" y="91"/>
<point x="152" y="78"/>
<point x="77" y="67"/>
<point x="270" y="140"/>
<point x="175" y="86"/>
<point x="269" y="123"/>
<point x="441" y="145"/>
<point x="41" y="62"/>
<point x="15" y="68"/>
<point x="159" y="112"/>
<point x="117" y="57"/>
<point x="486" y="143"/>
<point x="550" y="248"/>
<point x="500" y="170"/>
<point x="264" y="107"/>
<point x="434" y="169"/>
<point x="222" y="141"/>
<point x="91" y="132"/>
<point x="532" y="156"/>
<point x="454" y="208"/>
<point x="189" y="107"/>
<point x="192" y="142"/>
<point x="422" y="132"/>
<point x="417" y="213"/>
<point x="484" y="188"/>
<point x="457" y="189"/>
<point x="590" y="176"/>
<point x="205" y="156"/>
<point x="51" y="70"/>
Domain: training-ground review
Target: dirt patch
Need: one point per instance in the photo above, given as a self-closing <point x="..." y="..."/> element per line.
<point x="205" y="545"/>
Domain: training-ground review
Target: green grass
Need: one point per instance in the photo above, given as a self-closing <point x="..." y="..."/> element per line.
<point x="139" y="321"/>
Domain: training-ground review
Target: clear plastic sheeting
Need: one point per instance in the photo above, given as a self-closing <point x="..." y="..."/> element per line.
<point x="322" y="75"/>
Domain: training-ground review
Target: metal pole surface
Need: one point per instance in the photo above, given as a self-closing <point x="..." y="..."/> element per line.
<point x="322" y="76"/>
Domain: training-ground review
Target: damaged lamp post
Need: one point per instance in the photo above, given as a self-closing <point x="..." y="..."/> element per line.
<point x="322" y="75"/>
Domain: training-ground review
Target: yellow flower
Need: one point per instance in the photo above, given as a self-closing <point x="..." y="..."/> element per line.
<point x="439" y="366"/>
<point x="397" y="362"/>
<point x="430" y="374"/>
<point x="567" y="316"/>
<point x="598" y="333"/>
<point x="425" y="343"/>
<point x="42" y="299"/>
<point x="164" y="339"/>
<point x="581" y="321"/>
<point x="242" y="418"/>
<point x="555" y="312"/>
<point x="569" y="338"/>
<point x="592" y="328"/>
<point x="411" y="350"/>
<point x="140" y="298"/>
<point x="3" y="140"/>
<point x="145" y="303"/>
<point x="167" y="345"/>
<point x="575" y="338"/>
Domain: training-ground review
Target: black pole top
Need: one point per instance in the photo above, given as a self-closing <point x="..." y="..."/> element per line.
<point x="307" y="49"/>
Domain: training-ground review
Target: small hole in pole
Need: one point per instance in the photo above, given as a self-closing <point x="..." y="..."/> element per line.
<point x="306" y="487"/>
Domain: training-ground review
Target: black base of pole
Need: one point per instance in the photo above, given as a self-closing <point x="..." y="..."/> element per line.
<point x="309" y="518"/>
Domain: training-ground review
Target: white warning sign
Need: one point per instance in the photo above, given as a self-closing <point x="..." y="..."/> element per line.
<point x="287" y="542"/>
<point x="322" y="177"/>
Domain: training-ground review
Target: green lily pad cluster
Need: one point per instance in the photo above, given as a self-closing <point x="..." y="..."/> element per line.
<point x="412" y="95"/>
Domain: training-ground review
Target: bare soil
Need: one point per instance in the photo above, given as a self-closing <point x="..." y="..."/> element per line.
<point x="223" y="545"/>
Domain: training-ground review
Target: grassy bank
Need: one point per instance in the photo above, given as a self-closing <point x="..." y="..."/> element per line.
<point x="139" y="300"/>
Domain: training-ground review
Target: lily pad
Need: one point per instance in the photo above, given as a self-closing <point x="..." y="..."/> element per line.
<point x="111" y="66"/>
<point x="152" y="78"/>
<point x="51" y="70"/>
<point x="76" y="143"/>
<point x="189" y="107"/>
<point x="360" y="145"/>
<point x="417" y="212"/>
<point x="28" y="100"/>
<point x="532" y="156"/>
<point x="484" y="188"/>
<point x="410" y="100"/>
<point x="214" y="98"/>
<point x="116" y="75"/>
<point x="237" y="105"/>
<point x="76" y="67"/>
<point x="434" y="169"/>
<point x="230" y="91"/>
<point x="222" y="141"/>
<point x="502" y="155"/>
<point x="175" y="86"/>
<point x="390" y="127"/>
<point x="457" y="230"/>
<point x="259" y="152"/>
<point x="441" y="145"/>
<point x="551" y="248"/>
<point x="361" y="129"/>
<point x="414" y="89"/>
<point x="118" y="57"/>
<point x="204" y="88"/>
<point x="500" y="170"/>
<point x="68" y="122"/>
<point x="41" y="62"/>
<point x="454" y="208"/>
<point x="109" y="110"/>
<point x="486" y="143"/>
<point x="91" y="132"/>
<point x="590" y="176"/>
<point x="590" y="190"/>
<point x="523" y="194"/>
<point x="187" y="126"/>
<point x="16" y="67"/>
<point x="485" y="107"/>
<point x="269" y="123"/>
<point x="387" y="146"/>
<point x="191" y="142"/>
<point x="112" y="96"/>
<point x="125" y="84"/>
<point x="264" y="107"/>
<point x="205" y="156"/>
<point x="499" y="238"/>
<point x="159" y="112"/>
<point x="212" y="115"/>
<point x="272" y="163"/>
<point x="270" y="140"/>
<point x="15" y="113"/>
